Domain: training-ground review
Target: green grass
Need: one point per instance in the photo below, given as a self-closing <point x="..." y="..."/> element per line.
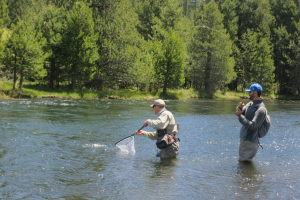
<point x="4" y="96"/>
<point x="179" y="94"/>
<point x="31" y="90"/>
<point x="230" y="95"/>
<point x="5" y="86"/>
<point x="40" y="91"/>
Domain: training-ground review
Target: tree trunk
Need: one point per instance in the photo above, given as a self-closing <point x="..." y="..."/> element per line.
<point x="186" y="8"/>
<point x="73" y="77"/>
<point x="15" y="78"/>
<point x="165" y="88"/>
<point x="52" y="74"/>
<point x="21" y="81"/>
<point x="15" y="74"/>
<point x="207" y="81"/>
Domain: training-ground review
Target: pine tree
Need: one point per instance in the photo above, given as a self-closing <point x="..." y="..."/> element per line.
<point x="120" y="46"/>
<point x="255" y="60"/>
<point x="230" y="21"/>
<point x="149" y="12"/>
<point x="285" y="35"/>
<point x="162" y="23"/>
<point x="79" y="45"/>
<point x="156" y="16"/>
<point x="170" y="64"/>
<point x="142" y="72"/>
<point x="23" y="54"/>
<point x="51" y="26"/>
<point x="4" y="19"/>
<point x="296" y="71"/>
<point x="211" y="50"/>
<point x="255" y="15"/>
<point x="66" y="4"/>
<point x="229" y="9"/>
<point x="18" y="9"/>
<point x="255" y="22"/>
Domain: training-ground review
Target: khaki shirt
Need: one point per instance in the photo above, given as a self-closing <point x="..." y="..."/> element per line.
<point x="164" y="120"/>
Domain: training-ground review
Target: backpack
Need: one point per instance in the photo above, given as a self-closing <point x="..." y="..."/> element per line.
<point x="264" y="128"/>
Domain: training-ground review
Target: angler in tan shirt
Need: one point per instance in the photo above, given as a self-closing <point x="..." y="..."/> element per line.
<point x="166" y="130"/>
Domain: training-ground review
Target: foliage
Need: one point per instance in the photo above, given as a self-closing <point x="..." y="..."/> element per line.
<point x="152" y="45"/>
<point x="284" y="37"/>
<point x="256" y="61"/>
<point x="162" y="24"/>
<point x="79" y="45"/>
<point x="120" y="45"/>
<point x="23" y="54"/>
<point x="295" y="72"/>
<point x="170" y="62"/>
<point x="211" y="50"/>
<point x="156" y="16"/>
<point x="51" y="25"/>
<point x="255" y="15"/>
<point x="3" y="22"/>
<point x="143" y="70"/>
<point x="18" y="9"/>
<point x="4" y="18"/>
<point x="230" y="20"/>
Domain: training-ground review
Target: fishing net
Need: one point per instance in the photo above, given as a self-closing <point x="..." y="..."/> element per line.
<point x="126" y="145"/>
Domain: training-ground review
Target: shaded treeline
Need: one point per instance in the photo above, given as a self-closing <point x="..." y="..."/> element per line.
<point x="152" y="44"/>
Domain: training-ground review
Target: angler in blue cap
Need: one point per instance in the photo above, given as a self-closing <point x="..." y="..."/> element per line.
<point x="251" y="116"/>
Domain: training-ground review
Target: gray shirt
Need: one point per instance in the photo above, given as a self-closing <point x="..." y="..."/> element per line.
<point x="254" y="114"/>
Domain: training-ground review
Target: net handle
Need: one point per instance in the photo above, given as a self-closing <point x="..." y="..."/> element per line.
<point x="140" y="128"/>
<point x="130" y="135"/>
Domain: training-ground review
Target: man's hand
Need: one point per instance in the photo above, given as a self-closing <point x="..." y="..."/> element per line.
<point x="238" y="112"/>
<point x="241" y="105"/>
<point x="145" y="124"/>
<point x="140" y="132"/>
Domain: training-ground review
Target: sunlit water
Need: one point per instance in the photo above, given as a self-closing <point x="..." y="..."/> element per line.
<point x="64" y="149"/>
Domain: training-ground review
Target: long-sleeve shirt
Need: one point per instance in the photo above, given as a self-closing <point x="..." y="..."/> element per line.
<point x="254" y="114"/>
<point x="165" y="120"/>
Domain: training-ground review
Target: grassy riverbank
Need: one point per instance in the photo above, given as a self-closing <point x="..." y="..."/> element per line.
<point x="39" y="91"/>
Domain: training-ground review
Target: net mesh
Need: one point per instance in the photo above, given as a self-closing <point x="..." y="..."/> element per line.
<point x="127" y="145"/>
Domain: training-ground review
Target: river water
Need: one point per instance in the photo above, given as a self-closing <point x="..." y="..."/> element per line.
<point x="64" y="149"/>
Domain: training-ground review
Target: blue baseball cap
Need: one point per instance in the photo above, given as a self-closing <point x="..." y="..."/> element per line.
<point x="255" y="87"/>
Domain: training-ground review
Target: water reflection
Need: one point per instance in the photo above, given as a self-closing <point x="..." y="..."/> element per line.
<point x="249" y="180"/>
<point x="247" y="169"/>
<point x="164" y="168"/>
<point x="161" y="179"/>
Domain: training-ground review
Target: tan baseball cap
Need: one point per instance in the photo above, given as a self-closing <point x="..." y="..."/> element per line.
<point x="158" y="102"/>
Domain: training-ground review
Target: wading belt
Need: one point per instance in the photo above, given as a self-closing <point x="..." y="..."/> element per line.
<point x="162" y="132"/>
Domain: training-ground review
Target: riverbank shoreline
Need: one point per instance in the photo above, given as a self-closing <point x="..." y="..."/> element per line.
<point x="125" y="94"/>
<point x="40" y="92"/>
<point x="122" y="94"/>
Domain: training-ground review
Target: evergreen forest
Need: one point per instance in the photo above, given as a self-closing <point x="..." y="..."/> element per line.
<point x="152" y="45"/>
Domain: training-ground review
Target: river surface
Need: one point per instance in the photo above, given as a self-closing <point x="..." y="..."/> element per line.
<point x="64" y="149"/>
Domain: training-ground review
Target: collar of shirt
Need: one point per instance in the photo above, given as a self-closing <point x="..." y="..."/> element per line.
<point x="257" y="101"/>
<point x="162" y="110"/>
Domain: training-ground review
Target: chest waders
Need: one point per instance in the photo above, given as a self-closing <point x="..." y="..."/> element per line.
<point x="254" y="107"/>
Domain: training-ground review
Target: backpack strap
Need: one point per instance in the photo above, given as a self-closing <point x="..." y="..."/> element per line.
<point x="262" y="106"/>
